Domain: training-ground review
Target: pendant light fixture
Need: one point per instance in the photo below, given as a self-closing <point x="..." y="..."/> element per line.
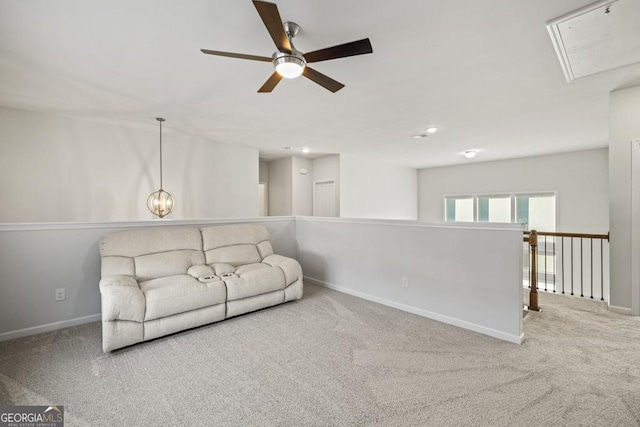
<point x="160" y="203"/>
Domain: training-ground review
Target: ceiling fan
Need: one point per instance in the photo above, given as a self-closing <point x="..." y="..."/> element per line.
<point x="288" y="61"/>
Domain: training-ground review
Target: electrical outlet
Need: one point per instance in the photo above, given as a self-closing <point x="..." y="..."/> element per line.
<point x="405" y="282"/>
<point x="60" y="294"/>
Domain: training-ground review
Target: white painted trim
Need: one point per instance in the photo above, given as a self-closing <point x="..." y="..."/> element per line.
<point x="424" y="313"/>
<point x="412" y="223"/>
<point x="619" y="310"/>
<point x="5" y="336"/>
<point x="40" y="226"/>
<point x="635" y="227"/>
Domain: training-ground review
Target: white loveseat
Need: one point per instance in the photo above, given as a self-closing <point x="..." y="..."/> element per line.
<point x="162" y="280"/>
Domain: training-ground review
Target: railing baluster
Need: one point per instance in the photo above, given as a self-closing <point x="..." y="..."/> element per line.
<point x="591" y="268"/>
<point x="572" y="266"/>
<point x="581" y="269"/>
<point x="545" y="263"/>
<point x="562" y="249"/>
<point x="555" y="277"/>
<point x="601" y="270"/>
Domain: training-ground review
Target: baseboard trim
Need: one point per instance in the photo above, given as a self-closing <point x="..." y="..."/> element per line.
<point x="516" y="339"/>
<point x="619" y="310"/>
<point x="5" y="336"/>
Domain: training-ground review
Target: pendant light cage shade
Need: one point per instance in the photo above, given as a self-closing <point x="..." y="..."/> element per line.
<point x="160" y="203"/>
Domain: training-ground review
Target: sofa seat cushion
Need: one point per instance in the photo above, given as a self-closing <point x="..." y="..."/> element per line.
<point x="166" y="296"/>
<point x="254" y="281"/>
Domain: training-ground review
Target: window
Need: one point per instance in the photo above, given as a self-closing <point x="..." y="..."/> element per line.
<point x="537" y="211"/>
<point x="459" y="209"/>
<point x="494" y="209"/>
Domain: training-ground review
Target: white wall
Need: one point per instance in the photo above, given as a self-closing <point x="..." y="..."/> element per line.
<point x="362" y="257"/>
<point x="263" y="171"/>
<point x="581" y="179"/>
<point x="35" y="259"/>
<point x="328" y="168"/>
<point x="370" y="188"/>
<point x="466" y="276"/>
<point x="280" y="187"/>
<point x="302" y="187"/>
<point x="56" y="169"/>
<point x="624" y="125"/>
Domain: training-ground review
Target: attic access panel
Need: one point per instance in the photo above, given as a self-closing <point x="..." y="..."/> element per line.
<point x="599" y="37"/>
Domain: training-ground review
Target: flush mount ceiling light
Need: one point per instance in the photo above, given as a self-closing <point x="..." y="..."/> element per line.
<point x="305" y="150"/>
<point x="470" y="154"/>
<point x="160" y="203"/>
<point x="429" y="131"/>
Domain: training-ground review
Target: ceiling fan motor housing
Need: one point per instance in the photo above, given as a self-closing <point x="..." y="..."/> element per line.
<point x="289" y="65"/>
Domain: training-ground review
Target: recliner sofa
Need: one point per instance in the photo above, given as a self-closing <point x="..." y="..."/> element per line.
<point x="162" y="280"/>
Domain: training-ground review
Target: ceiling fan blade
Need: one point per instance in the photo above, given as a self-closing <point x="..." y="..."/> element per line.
<point x="358" y="47"/>
<point x="271" y="18"/>
<point x="324" y="81"/>
<point x="271" y="83"/>
<point x="237" y="55"/>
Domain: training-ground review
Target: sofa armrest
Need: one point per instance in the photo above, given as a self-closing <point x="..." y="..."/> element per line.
<point x="122" y="299"/>
<point x="222" y="268"/>
<point x="203" y="273"/>
<point x="289" y="266"/>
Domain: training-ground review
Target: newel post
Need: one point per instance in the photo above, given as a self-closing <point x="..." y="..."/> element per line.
<point x="533" y="294"/>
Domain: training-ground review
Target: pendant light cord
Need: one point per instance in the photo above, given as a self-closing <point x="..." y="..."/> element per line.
<point x="160" y="120"/>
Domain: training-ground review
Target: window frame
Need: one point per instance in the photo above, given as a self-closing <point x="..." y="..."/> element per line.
<point x="512" y="196"/>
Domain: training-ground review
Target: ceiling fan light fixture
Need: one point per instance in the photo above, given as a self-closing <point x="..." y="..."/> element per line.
<point x="288" y="65"/>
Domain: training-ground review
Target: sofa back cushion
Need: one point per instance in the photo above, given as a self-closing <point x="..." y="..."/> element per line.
<point x="236" y="244"/>
<point x="151" y="253"/>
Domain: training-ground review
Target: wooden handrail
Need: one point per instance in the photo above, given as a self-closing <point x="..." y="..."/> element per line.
<point x="576" y="235"/>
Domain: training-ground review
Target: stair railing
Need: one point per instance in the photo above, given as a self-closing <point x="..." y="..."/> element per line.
<point x="547" y="244"/>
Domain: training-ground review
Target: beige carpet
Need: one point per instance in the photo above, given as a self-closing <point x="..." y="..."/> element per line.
<point x="333" y="359"/>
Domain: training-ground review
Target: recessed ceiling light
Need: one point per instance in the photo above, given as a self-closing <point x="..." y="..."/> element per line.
<point x="470" y="154"/>
<point x="418" y="136"/>
<point x="432" y="130"/>
<point x="305" y="150"/>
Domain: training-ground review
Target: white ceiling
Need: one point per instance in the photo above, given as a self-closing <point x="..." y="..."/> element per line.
<point x="485" y="73"/>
